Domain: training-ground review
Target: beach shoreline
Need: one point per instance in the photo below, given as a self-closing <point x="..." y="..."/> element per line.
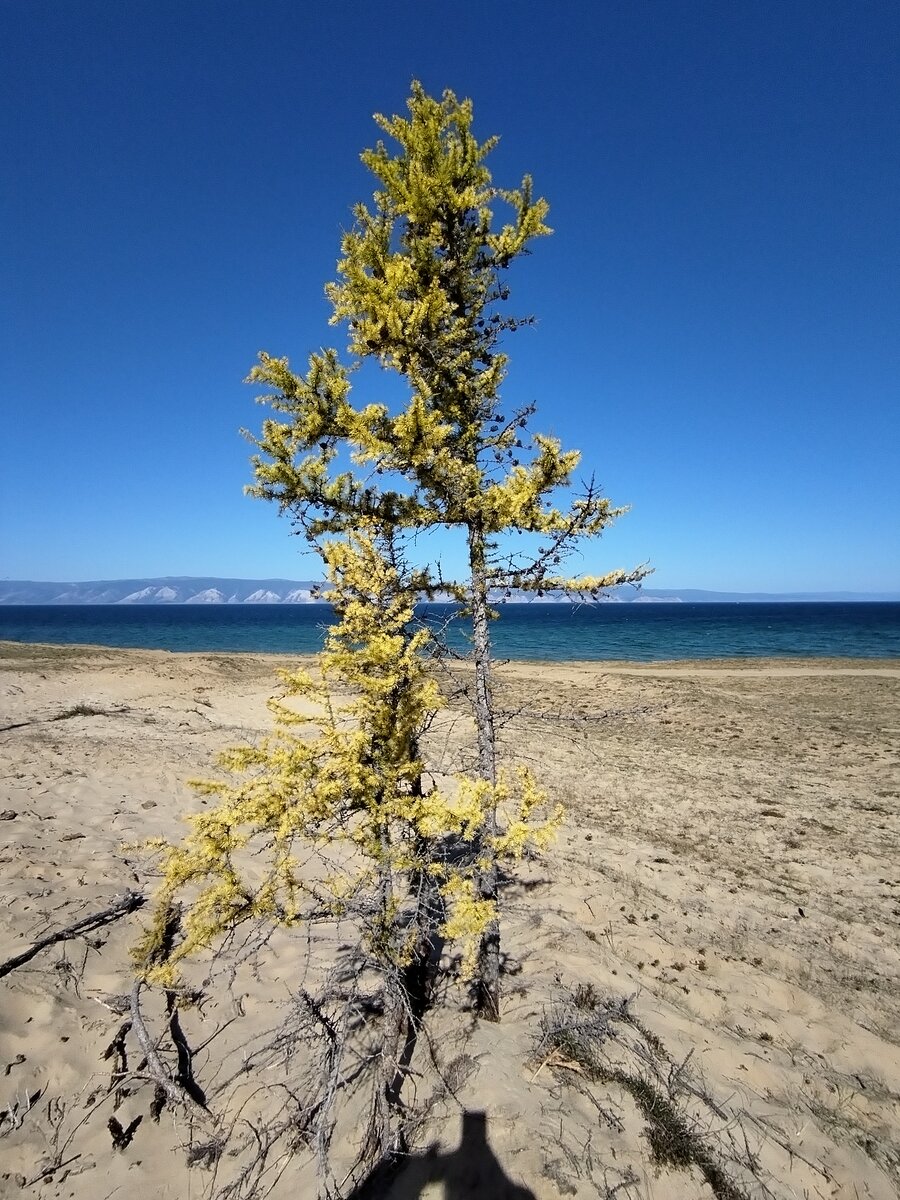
<point x="728" y="859"/>
<point x="11" y="649"/>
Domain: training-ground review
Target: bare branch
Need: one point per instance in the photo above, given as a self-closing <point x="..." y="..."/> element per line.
<point x="124" y="905"/>
<point x="177" y="1096"/>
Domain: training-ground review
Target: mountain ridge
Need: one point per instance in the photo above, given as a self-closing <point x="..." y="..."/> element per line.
<point x="210" y="589"/>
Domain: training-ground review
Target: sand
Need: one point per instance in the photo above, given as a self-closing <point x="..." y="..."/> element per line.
<point x="730" y="867"/>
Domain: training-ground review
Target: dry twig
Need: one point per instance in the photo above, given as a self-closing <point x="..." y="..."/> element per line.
<point x="124" y="905"/>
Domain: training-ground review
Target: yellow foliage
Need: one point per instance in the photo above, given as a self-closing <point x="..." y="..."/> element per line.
<point x="419" y="287"/>
<point x="343" y="779"/>
<point x="468" y="918"/>
<point x="339" y="780"/>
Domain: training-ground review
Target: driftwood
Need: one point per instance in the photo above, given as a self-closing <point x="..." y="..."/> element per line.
<point x="124" y="905"/>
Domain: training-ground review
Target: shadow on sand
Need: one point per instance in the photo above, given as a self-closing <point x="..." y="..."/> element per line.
<point x="467" y="1173"/>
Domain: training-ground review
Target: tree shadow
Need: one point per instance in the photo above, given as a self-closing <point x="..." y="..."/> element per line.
<point x="470" y="1172"/>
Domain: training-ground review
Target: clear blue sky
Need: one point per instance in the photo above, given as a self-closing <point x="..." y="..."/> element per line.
<point x="718" y="308"/>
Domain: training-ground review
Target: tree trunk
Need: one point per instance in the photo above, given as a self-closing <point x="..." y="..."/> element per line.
<point x="385" y="1137"/>
<point x="488" y="1000"/>
<point x="407" y="995"/>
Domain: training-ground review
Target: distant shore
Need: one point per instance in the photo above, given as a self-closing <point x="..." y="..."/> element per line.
<point x="217" y="590"/>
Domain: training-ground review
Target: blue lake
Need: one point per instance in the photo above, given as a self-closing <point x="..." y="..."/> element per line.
<point x="552" y="632"/>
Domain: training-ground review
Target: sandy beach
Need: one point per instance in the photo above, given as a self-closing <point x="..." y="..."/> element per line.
<point x="729" y="866"/>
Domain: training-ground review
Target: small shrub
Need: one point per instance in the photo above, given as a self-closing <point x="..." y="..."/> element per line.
<point x="82" y="709"/>
<point x="585" y="996"/>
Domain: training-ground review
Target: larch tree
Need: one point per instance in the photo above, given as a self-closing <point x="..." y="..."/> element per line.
<point x="334" y="817"/>
<point x="421" y="288"/>
<point x="328" y="821"/>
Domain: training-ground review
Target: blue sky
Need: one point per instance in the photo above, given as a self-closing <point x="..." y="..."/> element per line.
<point x="718" y="308"/>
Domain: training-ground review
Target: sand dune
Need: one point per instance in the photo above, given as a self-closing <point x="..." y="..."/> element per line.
<point x="724" y="896"/>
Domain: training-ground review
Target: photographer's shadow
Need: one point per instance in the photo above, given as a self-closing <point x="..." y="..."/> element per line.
<point x="470" y="1172"/>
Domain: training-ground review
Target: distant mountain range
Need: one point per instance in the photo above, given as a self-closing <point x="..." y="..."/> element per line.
<point x="214" y="590"/>
<point x="169" y="590"/>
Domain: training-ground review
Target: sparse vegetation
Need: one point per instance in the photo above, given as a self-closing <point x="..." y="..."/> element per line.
<point x="784" y="1047"/>
<point x="576" y="1035"/>
<point x="82" y="709"/>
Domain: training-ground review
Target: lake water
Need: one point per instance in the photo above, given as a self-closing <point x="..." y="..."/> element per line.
<point x="552" y="632"/>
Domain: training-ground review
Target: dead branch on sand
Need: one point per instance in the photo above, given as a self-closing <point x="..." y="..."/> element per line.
<point x="130" y="902"/>
<point x="176" y="1094"/>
